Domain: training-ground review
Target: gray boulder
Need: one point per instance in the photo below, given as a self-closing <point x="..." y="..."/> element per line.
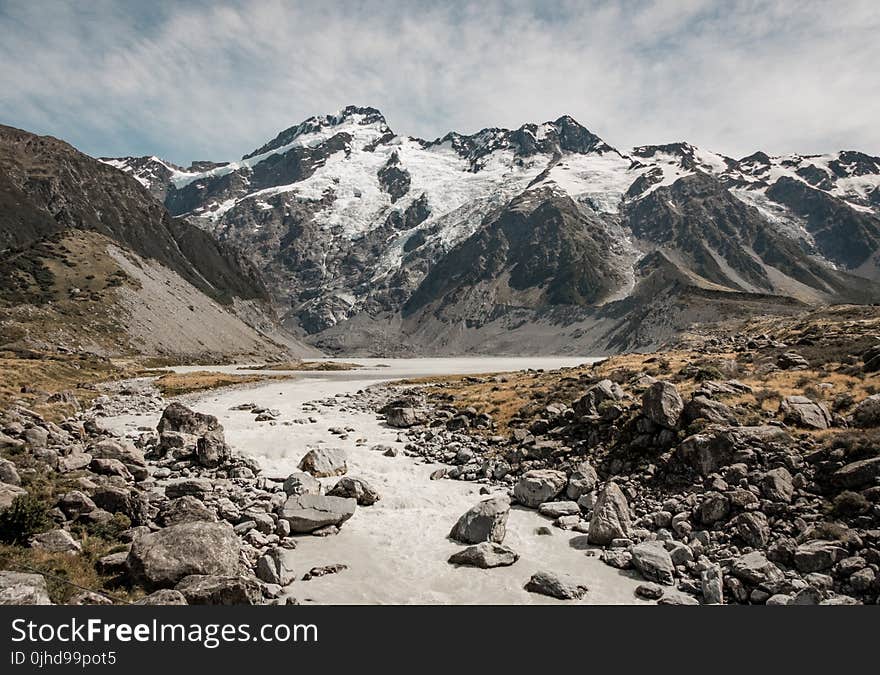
<point x="273" y="569"/>
<point x="710" y="451"/>
<point x="486" y="554"/>
<point x="653" y="562"/>
<point x="538" y="486"/>
<point x="595" y="395"/>
<point x="307" y="513"/>
<point x="752" y="527"/>
<point x="75" y="503"/>
<point x="714" y="507"/>
<point x="804" y="412"/>
<point x="185" y="509"/>
<point x="75" y="461"/>
<point x="662" y="404"/>
<point x="56" y="541"/>
<point x="19" y="588"/>
<point x="557" y="509"/>
<point x="862" y="473"/>
<point x="301" y="483"/>
<point x="401" y="417"/>
<point x="677" y="598"/>
<point x="611" y="516"/>
<point x="583" y="480"/>
<point x="178" y="418"/>
<point x="8" y="493"/>
<point x="817" y="555"/>
<point x="712" y="584"/>
<point x="8" y="473"/>
<point x="214" y="589"/>
<point x="161" y="559"/>
<point x="164" y="596"/>
<point x="194" y="487"/>
<point x="792" y="361"/>
<point x="324" y="462"/>
<point x="702" y="408"/>
<point x="754" y="568"/>
<point x="556" y="586"/>
<point x="487" y="521"/>
<point x="867" y="412"/>
<point x="777" y="485"/>
<point x="356" y="488"/>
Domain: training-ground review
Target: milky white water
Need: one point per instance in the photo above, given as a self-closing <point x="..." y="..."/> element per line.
<point x="396" y="550"/>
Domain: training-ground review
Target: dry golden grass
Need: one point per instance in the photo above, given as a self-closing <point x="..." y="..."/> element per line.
<point x="176" y="384"/>
<point x="506" y="396"/>
<point x="46" y="374"/>
<point x="67" y="574"/>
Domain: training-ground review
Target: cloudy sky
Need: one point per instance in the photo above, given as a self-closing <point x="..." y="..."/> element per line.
<point x="215" y="79"/>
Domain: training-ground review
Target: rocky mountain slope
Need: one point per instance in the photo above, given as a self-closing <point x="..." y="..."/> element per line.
<point x="540" y="237"/>
<point x="91" y="261"/>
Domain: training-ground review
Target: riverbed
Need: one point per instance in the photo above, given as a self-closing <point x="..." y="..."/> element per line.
<point x="396" y="551"/>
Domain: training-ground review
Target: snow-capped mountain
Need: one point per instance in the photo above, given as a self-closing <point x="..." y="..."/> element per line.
<point x="373" y="241"/>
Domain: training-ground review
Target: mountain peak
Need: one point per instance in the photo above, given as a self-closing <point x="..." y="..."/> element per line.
<point x="349" y="115"/>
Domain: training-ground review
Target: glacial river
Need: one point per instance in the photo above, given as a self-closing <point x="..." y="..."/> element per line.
<point x="396" y="550"/>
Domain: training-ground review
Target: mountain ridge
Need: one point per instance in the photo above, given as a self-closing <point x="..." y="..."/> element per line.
<point x="349" y="220"/>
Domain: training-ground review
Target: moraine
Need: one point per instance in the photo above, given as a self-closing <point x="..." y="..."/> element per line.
<point x="396" y="551"/>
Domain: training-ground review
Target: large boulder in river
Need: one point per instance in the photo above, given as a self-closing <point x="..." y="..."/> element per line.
<point x="538" y="486"/>
<point x="323" y="462"/>
<point x="611" y="516"/>
<point x="487" y="521"/>
<point x="804" y="412"/>
<point x="662" y="404"/>
<point x="356" y="488"/>
<point x="307" y="513"/>
<point x="161" y="559"/>
<point x="20" y="588"/>
<point x="485" y="555"/>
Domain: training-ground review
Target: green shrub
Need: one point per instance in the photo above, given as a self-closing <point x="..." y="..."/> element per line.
<point x="25" y="517"/>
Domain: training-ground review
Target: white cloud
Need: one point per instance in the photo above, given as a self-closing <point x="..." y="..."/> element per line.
<point x="212" y="80"/>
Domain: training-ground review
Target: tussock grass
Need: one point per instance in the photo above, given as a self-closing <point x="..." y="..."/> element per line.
<point x="176" y="384"/>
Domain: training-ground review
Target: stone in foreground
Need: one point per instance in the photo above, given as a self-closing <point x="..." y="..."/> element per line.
<point x="214" y="589"/>
<point x="161" y="559"/>
<point x="19" y="588"/>
<point x="307" y="513"/>
<point x="324" y="462"/>
<point x="485" y="555"/>
<point x="556" y="586"/>
<point x="653" y="562"/>
<point x="487" y="521"/>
